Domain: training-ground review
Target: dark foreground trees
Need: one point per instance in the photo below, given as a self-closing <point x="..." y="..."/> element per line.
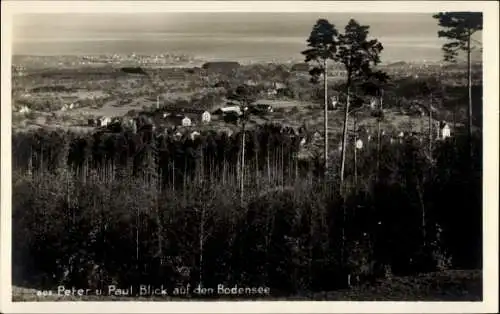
<point x="89" y="212"/>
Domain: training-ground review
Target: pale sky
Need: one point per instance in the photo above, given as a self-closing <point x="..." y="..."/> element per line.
<point x="403" y="35"/>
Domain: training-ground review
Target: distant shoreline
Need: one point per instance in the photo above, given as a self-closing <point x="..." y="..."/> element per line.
<point x="194" y="61"/>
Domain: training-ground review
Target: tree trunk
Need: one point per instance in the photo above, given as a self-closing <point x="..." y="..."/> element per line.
<point x="282" y="166"/>
<point x="344" y="137"/>
<point x="137" y="236"/>
<point x="242" y="171"/>
<point x="422" y="207"/>
<point x="173" y="174"/>
<point x="268" y="165"/>
<point x="355" y="155"/>
<point x="379" y="121"/>
<point x="159" y="221"/>
<point x="430" y="127"/>
<point x="201" y="242"/>
<point x="469" y="89"/>
<point x="224" y="168"/>
<point x="325" y="78"/>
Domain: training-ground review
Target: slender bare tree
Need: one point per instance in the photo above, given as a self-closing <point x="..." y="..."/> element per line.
<point x="458" y="29"/>
<point x="322" y="43"/>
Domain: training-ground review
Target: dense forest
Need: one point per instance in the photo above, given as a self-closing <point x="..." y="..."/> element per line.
<point x="144" y="208"/>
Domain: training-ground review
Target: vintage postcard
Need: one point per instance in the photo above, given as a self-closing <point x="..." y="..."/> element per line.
<point x="237" y="156"/>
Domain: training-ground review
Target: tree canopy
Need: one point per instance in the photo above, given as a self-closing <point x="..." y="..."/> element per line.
<point x="322" y="45"/>
<point x="458" y="27"/>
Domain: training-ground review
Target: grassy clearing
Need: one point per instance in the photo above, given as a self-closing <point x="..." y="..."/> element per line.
<point x="452" y="285"/>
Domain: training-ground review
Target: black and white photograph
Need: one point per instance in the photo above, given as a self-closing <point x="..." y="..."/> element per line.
<point x="188" y="153"/>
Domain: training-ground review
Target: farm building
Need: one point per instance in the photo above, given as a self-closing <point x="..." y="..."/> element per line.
<point x="206" y="117"/>
<point x="103" y="121"/>
<point x="374" y="103"/>
<point x="194" y="134"/>
<point x="444" y="130"/>
<point x="228" y="109"/>
<point x="186" y="121"/>
<point x="221" y="66"/>
<point x="333" y="102"/>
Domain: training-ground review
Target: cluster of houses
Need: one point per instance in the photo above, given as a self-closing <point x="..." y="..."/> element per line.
<point x="22" y="109"/>
<point x="99" y="121"/>
<point x="365" y="136"/>
<point x="186" y="116"/>
<point x="70" y="106"/>
<point x="443" y="131"/>
<point x="174" y="117"/>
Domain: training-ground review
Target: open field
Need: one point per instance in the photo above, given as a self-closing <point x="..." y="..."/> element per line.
<point x="106" y="91"/>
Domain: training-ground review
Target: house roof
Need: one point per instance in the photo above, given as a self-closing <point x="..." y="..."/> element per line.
<point x="184" y="110"/>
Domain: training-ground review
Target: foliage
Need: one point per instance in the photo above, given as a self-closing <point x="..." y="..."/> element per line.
<point x="322" y="43"/>
<point x="458" y="29"/>
<point x="127" y="208"/>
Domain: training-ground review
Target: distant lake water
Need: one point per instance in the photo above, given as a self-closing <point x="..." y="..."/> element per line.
<point x="242" y="48"/>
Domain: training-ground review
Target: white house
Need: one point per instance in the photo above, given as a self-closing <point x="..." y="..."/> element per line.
<point x="279" y="85"/>
<point x="359" y="144"/>
<point x="272" y="92"/>
<point x="105" y="121"/>
<point x="186" y="121"/>
<point x="206" y="117"/>
<point x="445" y="131"/>
<point x="24" y="109"/>
<point x="194" y="134"/>
<point x="333" y="101"/>
<point x="178" y="135"/>
<point x="303" y="141"/>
